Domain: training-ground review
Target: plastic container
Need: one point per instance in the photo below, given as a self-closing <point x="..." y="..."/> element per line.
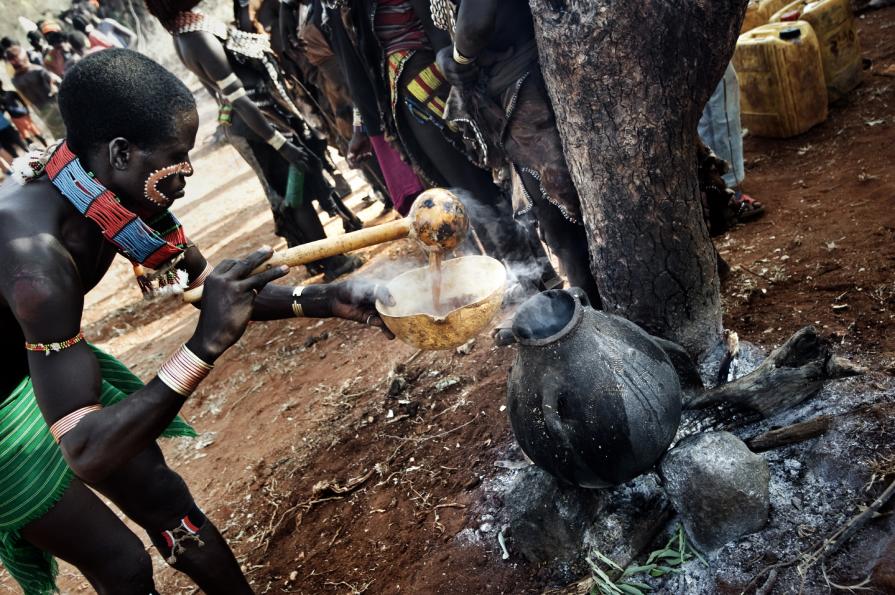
<point x="759" y="12"/>
<point x="782" y="89"/>
<point x="834" y="24"/>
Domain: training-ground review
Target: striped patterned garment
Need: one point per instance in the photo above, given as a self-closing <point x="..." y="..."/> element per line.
<point x="427" y="91"/>
<point x="34" y="475"/>
<point x="398" y="27"/>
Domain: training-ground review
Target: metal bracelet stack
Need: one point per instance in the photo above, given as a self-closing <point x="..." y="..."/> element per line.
<point x="68" y="422"/>
<point x="183" y="371"/>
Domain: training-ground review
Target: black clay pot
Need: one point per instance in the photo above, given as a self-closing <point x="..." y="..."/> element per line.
<point x="592" y="398"/>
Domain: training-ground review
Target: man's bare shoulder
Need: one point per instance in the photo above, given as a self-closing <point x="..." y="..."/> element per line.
<point x="29" y="235"/>
<point x="27" y="209"/>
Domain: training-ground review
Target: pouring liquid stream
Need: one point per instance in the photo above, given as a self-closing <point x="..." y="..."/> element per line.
<point x="435" y="276"/>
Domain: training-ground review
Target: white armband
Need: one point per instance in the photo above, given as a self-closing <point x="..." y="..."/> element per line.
<point x="231" y="97"/>
<point x="226" y="82"/>
<point x="276" y="140"/>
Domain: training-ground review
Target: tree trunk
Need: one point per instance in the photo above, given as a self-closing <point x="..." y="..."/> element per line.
<point x="629" y="80"/>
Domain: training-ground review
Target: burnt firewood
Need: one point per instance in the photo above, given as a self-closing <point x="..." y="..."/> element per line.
<point x="790" y="434"/>
<point x="792" y="373"/>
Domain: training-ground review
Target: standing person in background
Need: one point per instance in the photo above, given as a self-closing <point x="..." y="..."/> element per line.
<point x="368" y="135"/>
<point x="40" y="47"/>
<point x="35" y="57"/>
<point x="80" y="44"/>
<point x="720" y="130"/>
<point x="309" y="60"/>
<point x="10" y="140"/>
<point x="96" y="38"/>
<point x="61" y="56"/>
<point x="397" y="42"/>
<point x="39" y="87"/>
<point x="112" y="28"/>
<point x="13" y="104"/>
<point x="240" y="70"/>
<point x="493" y="65"/>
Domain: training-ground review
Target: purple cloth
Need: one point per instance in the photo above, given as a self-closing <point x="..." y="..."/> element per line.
<point x="403" y="183"/>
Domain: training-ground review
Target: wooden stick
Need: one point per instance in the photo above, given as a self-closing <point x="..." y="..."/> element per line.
<point x="305" y="253"/>
<point x="841" y="536"/>
<point x="790" y="434"/>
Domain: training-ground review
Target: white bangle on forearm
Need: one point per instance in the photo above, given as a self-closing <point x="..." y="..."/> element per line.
<point x="358" y="119"/>
<point x="231" y="97"/>
<point x="226" y="82"/>
<point x="277" y="140"/>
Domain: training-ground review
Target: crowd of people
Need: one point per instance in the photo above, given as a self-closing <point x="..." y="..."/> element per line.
<point x="53" y="47"/>
<point x="413" y="93"/>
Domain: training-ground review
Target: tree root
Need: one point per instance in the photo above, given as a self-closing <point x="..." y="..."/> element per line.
<point x="792" y="373"/>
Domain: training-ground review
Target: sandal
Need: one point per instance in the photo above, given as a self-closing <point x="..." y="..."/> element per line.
<point x="746" y="207"/>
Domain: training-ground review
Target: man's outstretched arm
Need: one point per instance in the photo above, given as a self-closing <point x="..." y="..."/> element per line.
<point x="42" y="287"/>
<point x="354" y="299"/>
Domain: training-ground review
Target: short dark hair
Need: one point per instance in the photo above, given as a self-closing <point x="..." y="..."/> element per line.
<point x="166" y="10"/>
<point x="8" y="42"/>
<point x="122" y="93"/>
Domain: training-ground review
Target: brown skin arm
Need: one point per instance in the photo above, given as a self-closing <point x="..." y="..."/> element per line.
<point x="475" y="25"/>
<point x="476" y="22"/>
<point x="42" y="287"/>
<point x="204" y="55"/>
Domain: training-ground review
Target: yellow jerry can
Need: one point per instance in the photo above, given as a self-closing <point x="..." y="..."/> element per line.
<point x="782" y="89"/>
<point x="759" y="12"/>
<point x="834" y="24"/>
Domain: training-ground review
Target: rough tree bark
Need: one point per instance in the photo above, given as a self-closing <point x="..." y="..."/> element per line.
<point x="629" y="80"/>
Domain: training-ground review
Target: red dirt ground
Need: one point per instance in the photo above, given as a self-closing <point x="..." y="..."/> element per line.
<point x="300" y="410"/>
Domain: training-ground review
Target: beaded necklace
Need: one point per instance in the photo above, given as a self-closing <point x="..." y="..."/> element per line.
<point x="157" y="244"/>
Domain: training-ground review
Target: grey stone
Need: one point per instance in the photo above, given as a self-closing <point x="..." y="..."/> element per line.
<point x="556" y="525"/>
<point x="719" y="487"/>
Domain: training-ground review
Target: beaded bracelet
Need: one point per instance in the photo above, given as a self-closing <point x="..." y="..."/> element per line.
<point x="183" y="371"/>
<point x="56" y="345"/>
<point x="67" y="423"/>
<point x="296" y="306"/>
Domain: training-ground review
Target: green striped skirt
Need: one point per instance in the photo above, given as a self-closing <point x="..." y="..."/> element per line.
<point x="34" y="475"/>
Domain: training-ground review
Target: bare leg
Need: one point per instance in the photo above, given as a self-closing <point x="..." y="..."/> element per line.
<point x="155" y="497"/>
<point x="81" y="530"/>
<point x="566" y="239"/>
